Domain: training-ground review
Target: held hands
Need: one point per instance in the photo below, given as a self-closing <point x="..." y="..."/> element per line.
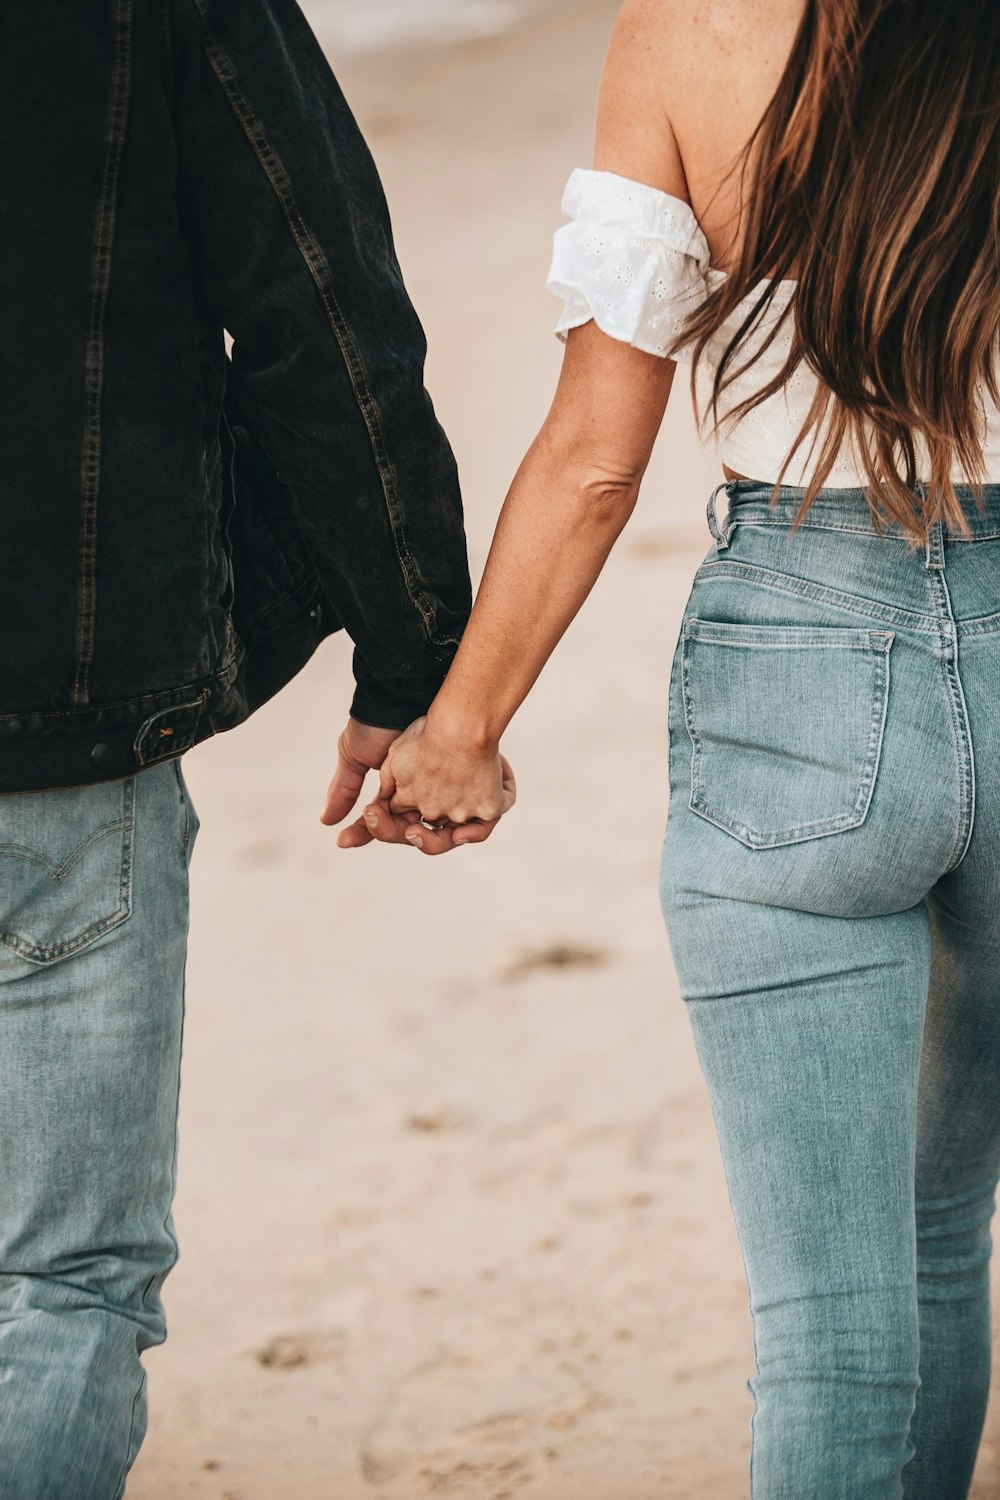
<point x="425" y="773"/>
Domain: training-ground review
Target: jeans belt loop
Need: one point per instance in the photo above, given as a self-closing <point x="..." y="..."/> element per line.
<point x="935" y="546"/>
<point x="721" y="534"/>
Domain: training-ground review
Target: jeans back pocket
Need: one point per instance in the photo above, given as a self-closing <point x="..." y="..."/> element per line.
<point x="65" y="868"/>
<point x="786" y="725"/>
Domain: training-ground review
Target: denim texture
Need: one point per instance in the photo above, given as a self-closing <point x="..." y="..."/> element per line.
<point x="180" y="533"/>
<point x="94" y="903"/>
<point x="831" y="885"/>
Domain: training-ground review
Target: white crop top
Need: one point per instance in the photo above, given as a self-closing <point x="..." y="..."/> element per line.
<point x="636" y="261"/>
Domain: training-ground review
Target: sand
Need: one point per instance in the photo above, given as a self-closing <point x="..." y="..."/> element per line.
<point x="452" y="1216"/>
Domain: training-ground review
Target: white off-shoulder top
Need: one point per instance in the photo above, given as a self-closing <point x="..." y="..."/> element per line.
<point x="635" y="260"/>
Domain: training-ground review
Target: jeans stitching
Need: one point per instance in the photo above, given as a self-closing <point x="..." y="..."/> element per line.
<point x="820" y="827"/>
<point x="959" y="713"/>
<point x="35" y="856"/>
<point x="820" y="593"/>
<point x="179" y="778"/>
<point x="225" y="71"/>
<point x="746" y="511"/>
<point x="101" y="925"/>
<point x="160" y="1276"/>
<point x="787" y="637"/>
<point x="785" y="524"/>
<point x="114" y="146"/>
<point x="982" y="625"/>
<point x="816" y="525"/>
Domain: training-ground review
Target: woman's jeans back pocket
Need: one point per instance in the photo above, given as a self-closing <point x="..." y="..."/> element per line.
<point x="65" y="868"/>
<point x="786" y="727"/>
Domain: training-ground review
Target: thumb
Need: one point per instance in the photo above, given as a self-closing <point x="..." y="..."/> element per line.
<point x="344" y="790"/>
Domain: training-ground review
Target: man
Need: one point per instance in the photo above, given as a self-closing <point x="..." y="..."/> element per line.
<point x="179" y="534"/>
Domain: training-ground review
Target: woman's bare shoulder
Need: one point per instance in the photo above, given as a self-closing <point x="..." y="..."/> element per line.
<point x="710" y="30"/>
<point x="669" y="65"/>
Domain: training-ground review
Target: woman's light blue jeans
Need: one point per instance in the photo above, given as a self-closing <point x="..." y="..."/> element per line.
<point x="831" y="883"/>
<point x="93" y="928"/>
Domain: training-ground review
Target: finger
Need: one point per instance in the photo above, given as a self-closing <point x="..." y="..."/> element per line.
<point x="476" y="832"/>
<point x="354" y="836"/>
<point x="443" y="840"/>
<point x="430" y="840"/>
<point x="384" y="825"/>
<point x="344" y="791"/>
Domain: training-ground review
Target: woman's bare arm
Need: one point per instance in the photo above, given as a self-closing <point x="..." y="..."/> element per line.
<point x="571" y="497"/>
<point x="569" y="501"/>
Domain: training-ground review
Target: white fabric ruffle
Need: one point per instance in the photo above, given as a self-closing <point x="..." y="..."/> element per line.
<point x="636" y="261"/>
<point x="632" y="258"/>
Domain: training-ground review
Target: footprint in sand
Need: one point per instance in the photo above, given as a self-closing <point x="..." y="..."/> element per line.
<point x="556" y="955"/>
<point x="292" y="1351"/>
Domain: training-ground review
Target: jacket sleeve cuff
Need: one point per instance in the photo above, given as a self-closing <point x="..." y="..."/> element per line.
<point x="394" y="704"/>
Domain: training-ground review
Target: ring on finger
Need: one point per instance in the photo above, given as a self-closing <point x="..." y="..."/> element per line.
<point x="434" y="827"/>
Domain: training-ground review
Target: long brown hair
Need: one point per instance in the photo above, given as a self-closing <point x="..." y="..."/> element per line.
<point x="873" y="178"/>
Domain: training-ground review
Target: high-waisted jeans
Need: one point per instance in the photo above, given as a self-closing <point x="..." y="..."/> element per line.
<point x="93" y="929"/>
<point x="831" y="883"/>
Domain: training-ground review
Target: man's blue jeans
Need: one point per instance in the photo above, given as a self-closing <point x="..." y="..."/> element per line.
<point x="831" y="883"/>
<point x="93" y="931"/>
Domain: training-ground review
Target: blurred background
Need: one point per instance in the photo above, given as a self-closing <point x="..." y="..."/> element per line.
<point x="452" y="1217"/>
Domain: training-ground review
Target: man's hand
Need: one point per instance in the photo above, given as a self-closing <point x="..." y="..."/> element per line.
<point x="361" y="749"/>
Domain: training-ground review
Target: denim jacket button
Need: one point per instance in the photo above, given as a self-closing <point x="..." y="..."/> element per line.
<point x="102" y="753"/>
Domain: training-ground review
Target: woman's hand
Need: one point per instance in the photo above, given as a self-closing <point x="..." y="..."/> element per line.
<point x="442" y="778"/>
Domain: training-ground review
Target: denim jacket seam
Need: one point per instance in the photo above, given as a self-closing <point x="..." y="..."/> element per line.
<point x="315" y="261"/>
<point x="162" y="26"/>
<point x="114" y="146"/>
<point x="199" y="687"/>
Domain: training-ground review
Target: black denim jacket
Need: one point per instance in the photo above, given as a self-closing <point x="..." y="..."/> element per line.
<point x="180" y="533"/>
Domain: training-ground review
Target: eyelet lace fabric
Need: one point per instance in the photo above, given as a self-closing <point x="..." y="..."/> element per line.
<point x="632" y="258"/>
<point x="635" y="260"/>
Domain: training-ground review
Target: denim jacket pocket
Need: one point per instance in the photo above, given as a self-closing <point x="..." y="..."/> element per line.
<point x="65" y="868"/>
<point x="786" y="726"/>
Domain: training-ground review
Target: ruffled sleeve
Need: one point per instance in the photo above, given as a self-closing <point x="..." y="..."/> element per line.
<point x="632" y="258"/>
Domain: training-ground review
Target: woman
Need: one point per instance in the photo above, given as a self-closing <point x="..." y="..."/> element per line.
<point x="802" y="200"/>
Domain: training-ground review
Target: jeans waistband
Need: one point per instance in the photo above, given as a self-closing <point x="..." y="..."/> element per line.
<point x="753" y="503"/>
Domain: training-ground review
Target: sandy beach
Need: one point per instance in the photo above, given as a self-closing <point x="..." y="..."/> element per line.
<point x="452" y="1216"/>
